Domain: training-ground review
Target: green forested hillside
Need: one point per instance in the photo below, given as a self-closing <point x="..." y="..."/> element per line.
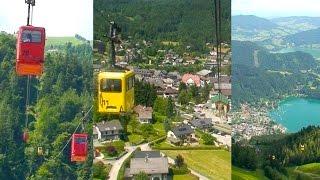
<point x="304" y="38"/>
<point x="191" y="22"/>
<point x="252" y="55"/>
<point x="258" y="74"/>
<point x="56" y="101"/>
<point x="276" y="154"/>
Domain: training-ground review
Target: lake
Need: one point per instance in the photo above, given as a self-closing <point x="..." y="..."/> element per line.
<point x="295" y="113"/>
<point x="315" y="52"/>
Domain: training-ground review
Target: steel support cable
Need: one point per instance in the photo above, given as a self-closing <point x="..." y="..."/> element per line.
<point x="217" y="23"/>
<point x="27" y="101"/>
<point x="31" y="20"/>
<point x="81" y="121"/>
<point x="220" y="50"/>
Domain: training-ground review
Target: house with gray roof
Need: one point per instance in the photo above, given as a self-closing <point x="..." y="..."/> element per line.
<point x="170" y="92"/>
<point x="149" y="162"/>
<point x="150" y="154"/>
<point x="181" y="134"/>
<point x="204" y="73"/>
<point x="202" y="123"/>
<point x="108" y="130"/>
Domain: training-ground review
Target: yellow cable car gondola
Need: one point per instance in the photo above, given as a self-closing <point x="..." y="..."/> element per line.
<point x="116" y="91"/>
<point x="115" y="84"/>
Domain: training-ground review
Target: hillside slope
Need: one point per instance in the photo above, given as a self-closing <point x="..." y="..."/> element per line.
<point x="187" y="22"/>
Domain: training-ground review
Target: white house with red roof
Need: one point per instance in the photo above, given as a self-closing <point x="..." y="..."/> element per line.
<point x="190" y="79"/>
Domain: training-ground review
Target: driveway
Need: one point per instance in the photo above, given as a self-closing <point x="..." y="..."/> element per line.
<point x="113" y="174"/>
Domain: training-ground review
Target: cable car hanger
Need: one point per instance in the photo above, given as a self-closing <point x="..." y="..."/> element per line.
<point x="217" y="23"/>
<point x="30" y="3"/>
<point x="113" y="36"/>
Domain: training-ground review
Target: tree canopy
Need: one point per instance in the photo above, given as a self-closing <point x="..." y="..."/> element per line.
<point x="57" y="99"/>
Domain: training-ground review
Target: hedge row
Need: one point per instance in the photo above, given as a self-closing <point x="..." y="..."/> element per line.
<point x="188" y="148"/>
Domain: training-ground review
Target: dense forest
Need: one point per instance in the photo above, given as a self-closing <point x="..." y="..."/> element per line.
<point x="258" y="74"/>
<point x="190" y="23"/>
<point x="277" y="152"/>
<point x="57" y="100"/>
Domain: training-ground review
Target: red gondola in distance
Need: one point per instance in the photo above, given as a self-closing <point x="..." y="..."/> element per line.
<point x="30" y="50"/>
<point x="25" y="136"/>
<point x="79" y="147"/>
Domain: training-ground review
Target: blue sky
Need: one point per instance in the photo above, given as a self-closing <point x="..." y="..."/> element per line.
<point x="59" y="17"/>
<point x="276" y="8"/>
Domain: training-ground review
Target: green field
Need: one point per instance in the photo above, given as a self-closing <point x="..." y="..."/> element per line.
<point x="242" y="174"/>
<point x="313" y="168"/>
<point x="62" y="40"/>
<point x="185" y="177"/>
<point x="309" y="171"/>
<point x="215" y="164"/>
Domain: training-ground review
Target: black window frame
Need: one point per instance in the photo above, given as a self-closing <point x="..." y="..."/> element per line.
<point x="81" y="140"/>
<point x="130" y="83"/>
<point x="104" y="81"/>
<point x="31" y="36"/>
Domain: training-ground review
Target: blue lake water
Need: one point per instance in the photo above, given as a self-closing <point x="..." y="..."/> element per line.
<point x="315" y="52"/>
<point x="295" y="113"/>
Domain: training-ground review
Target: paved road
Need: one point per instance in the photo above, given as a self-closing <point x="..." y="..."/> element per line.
<point x="117" y="164"/>
<point x="113" y="174"/>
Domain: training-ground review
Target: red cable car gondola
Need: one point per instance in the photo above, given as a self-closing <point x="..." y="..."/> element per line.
<point x="25" y="136"/>
<point x="79" y="147"/>
<point x="30" y="50"/>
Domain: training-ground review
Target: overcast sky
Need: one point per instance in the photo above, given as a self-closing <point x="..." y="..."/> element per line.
<point x="59" y="17"/>
<point x="276" y="8"/>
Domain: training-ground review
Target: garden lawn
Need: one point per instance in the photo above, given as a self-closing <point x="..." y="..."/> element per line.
<point x="214" y="164"/>
<point x="159" y="128"/>
<point x="135" y="138"/>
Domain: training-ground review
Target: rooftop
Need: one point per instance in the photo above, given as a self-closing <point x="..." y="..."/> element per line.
<point x="109" y="125"/>
<point x="150" y="154"/>
<point x="203" y="72"/>
<point x="200" y="123"/>
<point x="149" y="162"/>
<point x="182" y="129"/>
<point x="143" y="112"/>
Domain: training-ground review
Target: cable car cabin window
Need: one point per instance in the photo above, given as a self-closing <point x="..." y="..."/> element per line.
<point x="31" y="36"/>
<point x="110" y="85"/>
<point x="81" y="140"/>
<point x="130" y="83"/>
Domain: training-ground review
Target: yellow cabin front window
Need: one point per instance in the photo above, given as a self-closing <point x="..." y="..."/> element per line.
<point x="111" y="85"/>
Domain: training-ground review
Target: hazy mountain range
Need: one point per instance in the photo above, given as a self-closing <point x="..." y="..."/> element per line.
<point x="277" y="33"/>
